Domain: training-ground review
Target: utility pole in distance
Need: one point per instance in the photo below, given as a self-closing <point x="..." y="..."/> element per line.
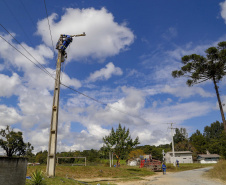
<point x="62" y="44"/>
<point x="172" y="144"/>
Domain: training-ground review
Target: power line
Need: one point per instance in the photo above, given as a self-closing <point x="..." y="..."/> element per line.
<point x="27" y="51"/>
<point x="100" y="102"/>
<point x="18" y="22"/>
<point x="55" y="57"/>
<point x="26" y="57"/>
<point x="49" y="24"/>
<point x="48" y="73"/>
<point x="27" y="13"/>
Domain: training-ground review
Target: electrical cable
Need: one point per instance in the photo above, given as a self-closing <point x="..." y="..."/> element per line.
<point x="49" y="24"/>
<point x="47" y="16"/>
<point x="18" y="22"/>
<point x="26" y="50"/>
<point x="29" y="15"/>
<point x="46" y="71"/>
<point x="98" y="101"/>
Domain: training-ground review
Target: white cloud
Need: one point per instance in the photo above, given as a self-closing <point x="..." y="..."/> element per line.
<point x="9" y="85"/>
<point x="177" y="113"/>
<point x="65" y="79"/>
<point x="186" y="91"/>
<point x="104" y="37"/>
<point x="170" y="33"/>
<point x="9" y="115"/>
<point x="105" y="73"/>
<point x="13" y="58"/>
<point x="223" y="10"/>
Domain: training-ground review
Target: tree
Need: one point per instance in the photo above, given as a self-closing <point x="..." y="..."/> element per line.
<point x="136" y="153"/>
<point x="28" y="152"/>
<point x="180" y="135"/>
<point x="185" y="145"/>
<point x="199" y="142"/>
<point x="120" y="142"/>
<point x="12" y="142"/>
<point x="214" y="137"/>
<point x="199" y="69"/>
<point x="213" y="131"/>
<point x="41" y="157"/>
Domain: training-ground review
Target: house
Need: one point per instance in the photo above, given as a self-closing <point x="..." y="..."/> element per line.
<point x="208" y="158"/>
<point x="181" y="156"/>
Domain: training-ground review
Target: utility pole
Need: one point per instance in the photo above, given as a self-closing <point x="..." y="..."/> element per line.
<point x="172" y="143"/>
<point x="110" y="158"/>
<point x="62" y="44"/>
<point x="163" y="156"/>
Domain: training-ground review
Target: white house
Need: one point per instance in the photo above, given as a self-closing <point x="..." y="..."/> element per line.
<point x="181" y="156"/>
<point x="208" y="158"/>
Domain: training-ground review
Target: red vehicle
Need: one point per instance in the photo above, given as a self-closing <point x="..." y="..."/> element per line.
<point x="154" y="165"/>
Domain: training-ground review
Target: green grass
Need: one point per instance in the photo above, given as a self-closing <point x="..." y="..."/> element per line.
<point x="80" y="175"/>
<point x="66" y="174"/>
<point x="218" y="171"/>
<point x="106" y="161"/>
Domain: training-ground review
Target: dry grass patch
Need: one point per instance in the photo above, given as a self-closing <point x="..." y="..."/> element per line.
<point x="218" y="171"/>
<point x="186" y="166"/>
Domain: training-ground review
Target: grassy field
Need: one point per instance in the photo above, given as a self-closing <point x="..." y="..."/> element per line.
<point x="102" y="174"/>
<point x="94" y="174"/>
<point x="219" y="171"/>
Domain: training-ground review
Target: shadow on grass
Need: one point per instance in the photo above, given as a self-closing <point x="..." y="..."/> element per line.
<point x="134" y="170"/>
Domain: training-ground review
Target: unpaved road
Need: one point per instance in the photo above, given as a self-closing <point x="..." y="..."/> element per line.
<point x="191" y="177"/>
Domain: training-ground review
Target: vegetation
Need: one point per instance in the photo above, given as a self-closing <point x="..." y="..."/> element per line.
<point x="79" y="174"/>
<point x="186" y="166"/>
<point x="199" y="69"/>
<point x="12" y="142"/>
<point x="37" y="178"/>
<point x="219" y="171"/>
<point x="136" y="153"/>
<point x="213" y="140"/>
<point x="120" y="142"/>
<point x="103" y="175"/>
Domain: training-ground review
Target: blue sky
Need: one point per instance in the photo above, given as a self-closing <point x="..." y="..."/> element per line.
<point x="125" y="60"/>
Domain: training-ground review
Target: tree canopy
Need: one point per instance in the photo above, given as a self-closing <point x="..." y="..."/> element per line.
<point x="120" y="141"/>
<point x="199" y="69"/>
<point x="180" y="135"/>
<point x="12" y="142"/>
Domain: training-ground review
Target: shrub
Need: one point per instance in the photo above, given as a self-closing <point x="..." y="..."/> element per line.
<point x="37" y="178"/>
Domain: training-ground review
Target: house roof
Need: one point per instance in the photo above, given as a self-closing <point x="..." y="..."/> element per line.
<point x="208" y="155"/>
<point x="181" y="152"/>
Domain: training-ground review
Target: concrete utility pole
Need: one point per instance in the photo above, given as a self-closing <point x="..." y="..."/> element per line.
<point x="62" y="44"/>
<point x="172" y="144"/>
<point x="163" y="156"/>
<point x="110" y="158"/>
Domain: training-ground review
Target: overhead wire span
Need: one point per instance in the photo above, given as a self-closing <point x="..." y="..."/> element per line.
<point x="47" y="16"/>
<point x="29" y="15"/>
<point x="100" y="102"/>
<point x="26" y="50"/>
<point x="27" y="57"/>
<point x="21" y="27"/>
<point x="48" y="73"/>
<point x="49" y="24"/>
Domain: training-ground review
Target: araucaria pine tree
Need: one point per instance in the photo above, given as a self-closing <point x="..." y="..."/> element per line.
<point x="199" y="69"/>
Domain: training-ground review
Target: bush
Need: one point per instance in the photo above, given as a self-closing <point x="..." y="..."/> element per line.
<point x="37" y="178"/>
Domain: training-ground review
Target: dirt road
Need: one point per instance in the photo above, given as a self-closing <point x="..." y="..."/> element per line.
<point x="191" y="177"/>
